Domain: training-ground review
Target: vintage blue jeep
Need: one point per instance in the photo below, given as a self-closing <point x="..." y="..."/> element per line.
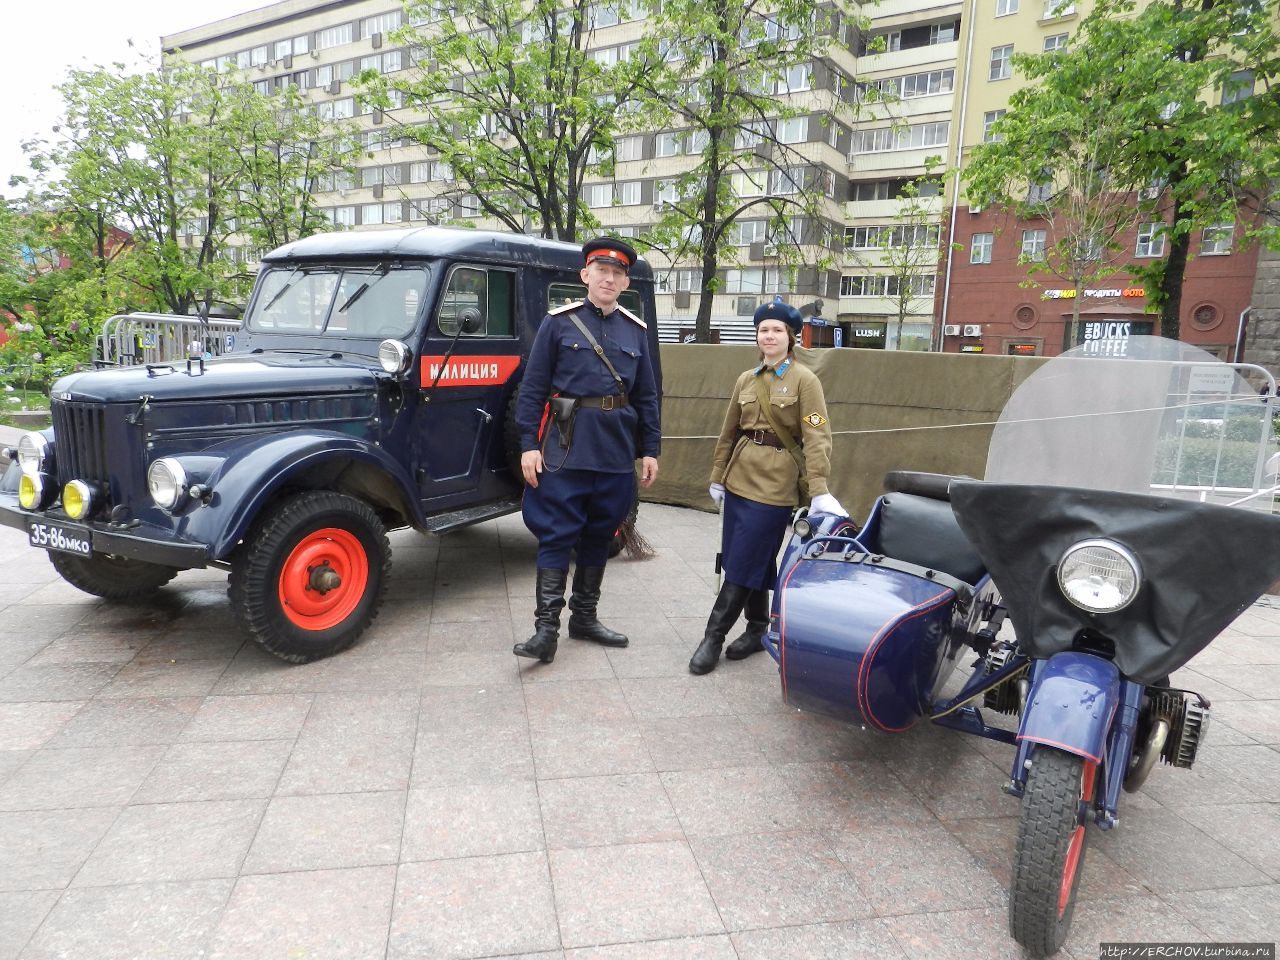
<point x="371" y="387"/>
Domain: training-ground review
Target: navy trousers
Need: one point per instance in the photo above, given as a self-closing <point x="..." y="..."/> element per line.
<point x="753" y="535"/>
<point x="577" y="510"/>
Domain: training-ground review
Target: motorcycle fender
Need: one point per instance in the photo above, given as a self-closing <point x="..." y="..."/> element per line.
<point x="1071" y="704"/>
<point x="246" y="476"/>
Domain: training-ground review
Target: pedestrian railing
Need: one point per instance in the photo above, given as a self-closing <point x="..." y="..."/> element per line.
<point x="136" y="338"/>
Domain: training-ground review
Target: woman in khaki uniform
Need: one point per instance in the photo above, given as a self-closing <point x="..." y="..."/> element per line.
<point x="757" y="479"/>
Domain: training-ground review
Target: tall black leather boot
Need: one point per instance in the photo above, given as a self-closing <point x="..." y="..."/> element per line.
<point x="583" y="624"/>
<point x="750" y="640"/>
<point x="724" y="614"/>
<point x="546" y="621"/>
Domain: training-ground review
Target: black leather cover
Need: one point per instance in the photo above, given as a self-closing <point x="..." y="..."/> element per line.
<point x="924" y="531"/>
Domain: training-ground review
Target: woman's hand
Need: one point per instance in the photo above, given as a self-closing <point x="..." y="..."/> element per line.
<point x="717" y="493"/>
<point x="531" y="466"/>
<point x="648" y="471"/>
<point x="826" y="503"/>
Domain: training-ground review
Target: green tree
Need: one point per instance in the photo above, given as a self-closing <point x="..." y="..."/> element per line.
<point x="1150" y="85"/>
<point x="511" y="105"/>
<point x="727" y="63"/>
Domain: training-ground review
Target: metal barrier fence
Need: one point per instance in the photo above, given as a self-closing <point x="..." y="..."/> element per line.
<point x="135" y="338"/>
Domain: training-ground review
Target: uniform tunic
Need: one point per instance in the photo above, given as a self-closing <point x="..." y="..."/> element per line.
<point x="762" y="482"/>
<point x="586" y="490"/>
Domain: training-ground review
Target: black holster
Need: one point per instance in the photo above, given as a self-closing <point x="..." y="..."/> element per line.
<point x="564" y="410"/>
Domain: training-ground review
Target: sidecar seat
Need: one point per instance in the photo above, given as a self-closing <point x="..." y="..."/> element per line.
<point x="923" y="530"/>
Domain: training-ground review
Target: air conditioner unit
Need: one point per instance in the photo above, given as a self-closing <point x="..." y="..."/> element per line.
<point x="335" y="86"/>
<point x="973" y="329"/>
<point x="682" y="299"/>
<point x="951" y="329"/>
<point x="288" y="61"/>
<point x="770" y="249"/>
<point x="975" y="208"/>
<point x="377" y="191"/>
<point x="377" y="40"/>
<point x="315" y="54"/>
<point x="661" y="204"/>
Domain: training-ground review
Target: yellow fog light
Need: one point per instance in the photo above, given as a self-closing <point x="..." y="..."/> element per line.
<point x="30" y="487"/>
<point x="77" y="499"/>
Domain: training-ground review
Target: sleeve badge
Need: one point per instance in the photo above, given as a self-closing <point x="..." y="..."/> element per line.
<point x="815" y="419"/>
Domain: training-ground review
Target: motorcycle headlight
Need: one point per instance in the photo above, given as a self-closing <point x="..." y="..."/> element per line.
<point x="33" y="452"/>
<point x="802" y="528"/>
<point x="167" y="483"/>
<point x="77" y="499"/>
<point x="30" y="491"/>
<point x="1099" y="576"/>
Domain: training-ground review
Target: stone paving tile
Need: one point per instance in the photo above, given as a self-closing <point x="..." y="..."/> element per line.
<point x="16" y="651"/>
<point x="599" y="811"/>
<point x="353" y="742"/>
<point x="1249" y="830"/>
<point x="11" y="760"/>
<point x="575" y="660"/>
<point x="475" y="907"/>
<point x="475" y="820"/>
<point x="469" y="669"/>
<point x="962" y="933"/>
<point x="590" y="750"/>
<point x="20" y="914"/>
<point x="850" y="940"/>
<point x="108" y="647"/>
<point x="1128" y="920"/>
<point x="325" y="915"/>
<point x="654" y="698"/>
<point x="1243" y="914"/>
<point x="79" y="777"/>
<point x="174" y="841"/>
<point x="43" y="849"/>
<point x="685" y="948"/>
<point x="216" y="771"/>
<point x="677" y="743"/>
<point x="149" y="921"/>
<point x="26" y="726"/>
<point x="327" y="831"/>
<point x="1257" y="719"/>
<point x="574" y="703"/>
<point x="624" y="892"/>
<point x="491" y="754"/>
<point x="778" y="879"/>
<point x="56" y="681"/>
<point x="110" y="723"/>
<point x="852" y="794"/>
<point x="248" y="717"/>
<point x="712" y="803"/>
<point x="161" y="678"/>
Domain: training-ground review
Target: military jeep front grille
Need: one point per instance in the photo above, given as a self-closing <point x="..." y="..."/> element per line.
<point x="80" y="439"/>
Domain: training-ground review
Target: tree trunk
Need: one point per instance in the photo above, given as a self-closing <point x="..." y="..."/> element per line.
<point x="1171" y="284"/>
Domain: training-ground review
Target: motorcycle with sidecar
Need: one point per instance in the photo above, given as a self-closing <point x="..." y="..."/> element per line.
<point x="1124" y="521"/>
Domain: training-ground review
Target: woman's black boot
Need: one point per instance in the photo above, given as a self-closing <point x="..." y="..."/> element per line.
<point x="546" y="622"/>
<point x="751" y="639"/>
<point x="583" y="624"/>
<point x="728" y="606"/>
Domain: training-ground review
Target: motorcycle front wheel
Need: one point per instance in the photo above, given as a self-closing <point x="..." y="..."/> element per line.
<point x="1049" y="856"/>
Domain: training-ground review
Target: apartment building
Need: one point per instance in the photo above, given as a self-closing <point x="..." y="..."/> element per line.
<point x="986" y="301"/>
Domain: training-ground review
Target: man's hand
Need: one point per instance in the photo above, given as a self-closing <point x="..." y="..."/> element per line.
<point x="531" y="466"/>
<point x="648" y="471"/>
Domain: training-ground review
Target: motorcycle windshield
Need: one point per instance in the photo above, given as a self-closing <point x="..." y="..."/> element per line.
<point x="1164" y="450"/>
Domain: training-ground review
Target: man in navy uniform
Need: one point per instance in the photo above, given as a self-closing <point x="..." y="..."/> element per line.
<point x="580" y="474"/>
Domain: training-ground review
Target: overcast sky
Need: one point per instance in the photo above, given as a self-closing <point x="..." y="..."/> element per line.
<point x="40" y="41"/>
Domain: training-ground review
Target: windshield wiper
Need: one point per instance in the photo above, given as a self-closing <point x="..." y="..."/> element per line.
<point x="288" y="282"/>
<point x="381" y="271"/>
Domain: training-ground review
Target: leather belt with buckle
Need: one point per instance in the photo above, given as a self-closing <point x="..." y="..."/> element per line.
<point x="604" y="403"/>
<point x="763" y="438"/>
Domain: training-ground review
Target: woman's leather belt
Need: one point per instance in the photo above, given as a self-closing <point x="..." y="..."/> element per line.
<point x="603" y="403"/>
<point x="765" y="438"/>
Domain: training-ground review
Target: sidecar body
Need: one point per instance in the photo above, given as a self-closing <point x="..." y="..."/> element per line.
<point x="868" y="627"/>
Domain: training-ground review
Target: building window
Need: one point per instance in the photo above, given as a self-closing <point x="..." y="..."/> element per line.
<point x="1058" y="8"/>
<point x="599" y="195"/>
<point x="1041" y="191"/>
<point x="1215" y="241"/>
<point x="795" y="130"/>
<point x="627" y="148"/>
<point x="1033" y="245"/>
<point x="629" y="193"/>
<point x="371" y="213"/>
<point x="885" y="139"/>
<point x="980" y="247"/>
<point x="1057" y="41"/>
<point x="383" y="23"/>
<point x="343" y="216"/>
<point x="1001" y="62"/>
<point x="1238" y="86"/>
<point x="988" y="122"/>
<point x="1150" y="240"/>
<point x="334" y="36"/>
<point x="392" y="212"/>
<point x="1006" y="7"/>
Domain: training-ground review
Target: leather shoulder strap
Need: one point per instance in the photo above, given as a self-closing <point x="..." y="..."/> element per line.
<point x="788" y="441"/>
<point x="599" y="350"/>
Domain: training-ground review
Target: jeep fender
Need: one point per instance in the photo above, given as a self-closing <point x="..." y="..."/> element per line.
<point x="1071" y="703"/>
<point x="249" y="473"/>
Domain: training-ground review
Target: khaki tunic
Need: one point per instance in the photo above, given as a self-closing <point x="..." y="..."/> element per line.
<point x="764" y="473"/>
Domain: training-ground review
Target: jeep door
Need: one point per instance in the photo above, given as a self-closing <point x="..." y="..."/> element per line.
<point x="463" y="398"/>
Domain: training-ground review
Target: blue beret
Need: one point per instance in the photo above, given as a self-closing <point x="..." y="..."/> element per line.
<point x="777" y="310"/>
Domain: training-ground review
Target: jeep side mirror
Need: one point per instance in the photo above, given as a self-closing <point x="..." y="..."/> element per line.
<point x="395" y="357"/>
<point x="471" y="319"/>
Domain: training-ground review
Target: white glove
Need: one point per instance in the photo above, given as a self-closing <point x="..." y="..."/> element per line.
<point x="826" y="503"/>
<point x="717" y="493"/>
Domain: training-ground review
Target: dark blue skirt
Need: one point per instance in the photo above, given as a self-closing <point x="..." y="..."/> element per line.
<point x="752" y="537"/>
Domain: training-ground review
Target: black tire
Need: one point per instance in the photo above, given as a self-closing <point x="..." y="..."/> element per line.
<point x="271" y="566"/>
<point x="111" y="577"/>
<point x="1049" y="857"/>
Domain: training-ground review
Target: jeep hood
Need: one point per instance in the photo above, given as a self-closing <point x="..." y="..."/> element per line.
<point x="237" y="376"/>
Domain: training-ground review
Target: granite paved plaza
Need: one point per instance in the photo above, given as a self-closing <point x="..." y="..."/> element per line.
<point x="166" y="790"/>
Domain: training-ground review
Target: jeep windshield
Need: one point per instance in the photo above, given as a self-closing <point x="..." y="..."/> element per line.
<point x="372" y="301"/>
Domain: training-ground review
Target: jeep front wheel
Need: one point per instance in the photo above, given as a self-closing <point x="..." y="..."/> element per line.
<point x="310" y="578"/>
<point x="111" y="577"/>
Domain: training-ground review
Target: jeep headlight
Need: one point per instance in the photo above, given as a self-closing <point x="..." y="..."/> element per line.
<point x="30" y="491"/>
<point x="394" y="357"/>
<point x="33" y="452"/>
<point x="167" y="483"/>
<point x="77" y="499"/>
<point x="1099" y="576"/>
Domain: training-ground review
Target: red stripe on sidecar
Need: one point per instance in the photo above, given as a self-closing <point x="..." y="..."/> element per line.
<point x="862" y="676"/>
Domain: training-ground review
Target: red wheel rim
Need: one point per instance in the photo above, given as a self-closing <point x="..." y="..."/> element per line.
<point x="306" y="606"/>
<point x="1076" y="847"/>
